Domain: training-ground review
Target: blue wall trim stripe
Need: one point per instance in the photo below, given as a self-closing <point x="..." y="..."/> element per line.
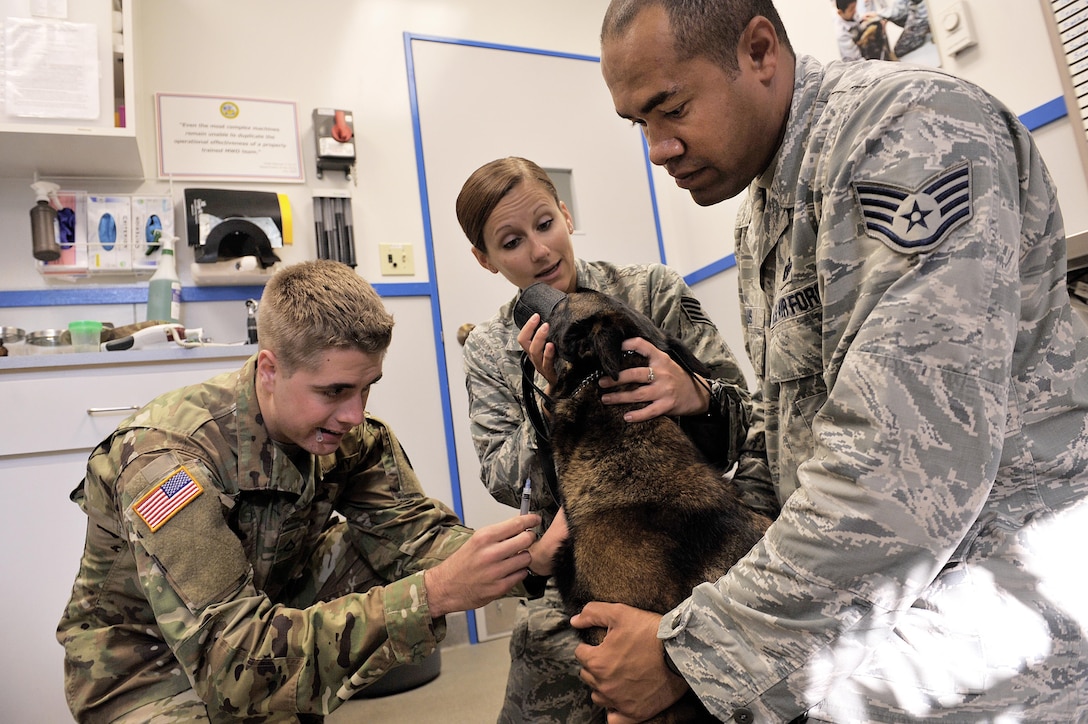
<point x="432" y="290"/>
<point x="710" y="270"/>
<point x="494" y="46"/>
<point x="1044" y="114"/>
<point x="74" y="296"/>
<point x="83" y="296"/>
<point x="653" y="201"/>
<point x="120" y="295"/>
<point x="413" y="289"/>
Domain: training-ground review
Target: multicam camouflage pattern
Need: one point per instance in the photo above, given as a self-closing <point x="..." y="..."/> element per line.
<point x="248" y="594"/>
<point x="924" y="394"/>
<point x="543" y="685"/>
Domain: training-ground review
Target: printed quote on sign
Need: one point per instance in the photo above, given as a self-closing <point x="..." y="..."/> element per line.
<point x="214" y="137"/>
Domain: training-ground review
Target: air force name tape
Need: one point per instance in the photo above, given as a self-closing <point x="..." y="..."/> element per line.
<point x="917" y="220"/>
<point x="796" y="303"/>
<point x="166" y="499"/>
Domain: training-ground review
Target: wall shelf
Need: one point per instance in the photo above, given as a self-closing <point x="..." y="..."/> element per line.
<point x="93" y="147"/>
<point x="89" y="152"/>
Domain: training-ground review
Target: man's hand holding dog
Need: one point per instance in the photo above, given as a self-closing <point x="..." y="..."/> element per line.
<point x="627" y="670"/>
<point x="665" y="387"/>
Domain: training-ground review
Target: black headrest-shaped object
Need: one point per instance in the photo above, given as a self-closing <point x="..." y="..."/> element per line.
<point x="236" y="237"/>
<point x="538" y="299"/>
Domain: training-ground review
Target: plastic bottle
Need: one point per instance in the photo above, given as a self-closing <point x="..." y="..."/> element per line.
<point x="43" y="218"/>
<point x="164" y="289"/>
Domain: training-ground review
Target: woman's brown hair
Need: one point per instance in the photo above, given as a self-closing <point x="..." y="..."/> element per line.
<point x="487" y="186"/>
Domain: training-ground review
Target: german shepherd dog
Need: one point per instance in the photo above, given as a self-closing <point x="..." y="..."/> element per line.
<point x="648" y="518"/>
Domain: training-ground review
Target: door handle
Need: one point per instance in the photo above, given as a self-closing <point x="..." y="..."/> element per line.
<point x="108" y="410"/>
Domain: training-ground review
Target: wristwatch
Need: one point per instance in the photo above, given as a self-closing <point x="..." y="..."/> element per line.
<point x="669" y="663"/>
<point x="535" y="585"/>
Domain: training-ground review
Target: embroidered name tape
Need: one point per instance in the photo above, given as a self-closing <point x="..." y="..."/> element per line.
<point x="166" y="499"/>
<point x="795" y="303"/>
<point x="915" y="220"/>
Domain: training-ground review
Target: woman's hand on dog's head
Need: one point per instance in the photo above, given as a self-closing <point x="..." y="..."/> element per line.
<point x="670" y="390"/>
<point x="533" y="338"/>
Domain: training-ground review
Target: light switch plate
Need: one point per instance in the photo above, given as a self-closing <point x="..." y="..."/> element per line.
<point x="396" y="260"/>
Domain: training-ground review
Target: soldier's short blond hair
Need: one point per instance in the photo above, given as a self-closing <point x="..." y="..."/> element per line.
<point x="310" y="307"/>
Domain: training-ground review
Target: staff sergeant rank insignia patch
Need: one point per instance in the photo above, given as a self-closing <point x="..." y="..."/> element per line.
<point x="917" y="220"/>
<point x="166" y="499"/>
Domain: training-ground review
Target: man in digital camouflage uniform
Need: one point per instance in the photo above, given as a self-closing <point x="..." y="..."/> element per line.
<point x="218" y="582"/>
<point x="543" y="685"/>
<point x="924" y="389"/>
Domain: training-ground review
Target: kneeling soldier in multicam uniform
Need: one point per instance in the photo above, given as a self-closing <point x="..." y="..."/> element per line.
<point x="258" y="546"/>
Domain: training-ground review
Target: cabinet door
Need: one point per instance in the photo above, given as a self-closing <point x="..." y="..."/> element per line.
<point x="41" y="541"/>
<point x="75" y="408"/>
<point x="64" y="140"/>
<point x="45" y="437"/>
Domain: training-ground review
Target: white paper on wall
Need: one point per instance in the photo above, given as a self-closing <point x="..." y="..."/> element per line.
<point x="51" y="69"/>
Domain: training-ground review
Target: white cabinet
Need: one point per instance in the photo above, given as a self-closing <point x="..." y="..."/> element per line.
<point x="73" y="408"/>
<point x="100" y="146"/>
<point x="41" y="539"/>
<point x="46" y="435"/>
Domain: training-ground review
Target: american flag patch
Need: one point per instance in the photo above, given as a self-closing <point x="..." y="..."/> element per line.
<point x="163" y="502"/>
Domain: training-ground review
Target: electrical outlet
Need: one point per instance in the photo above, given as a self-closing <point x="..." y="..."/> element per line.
<point x="396" y="260"/>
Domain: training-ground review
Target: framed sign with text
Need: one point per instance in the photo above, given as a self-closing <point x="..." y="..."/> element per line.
<point x="228" y="138"/>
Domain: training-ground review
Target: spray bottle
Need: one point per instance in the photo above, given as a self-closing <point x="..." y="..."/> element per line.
<point x="164" y="289"/>
<point x="43" y="219"/>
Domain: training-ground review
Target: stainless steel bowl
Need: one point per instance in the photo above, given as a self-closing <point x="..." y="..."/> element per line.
<point x="10" y="335"/>
<point x="48" y="341"/>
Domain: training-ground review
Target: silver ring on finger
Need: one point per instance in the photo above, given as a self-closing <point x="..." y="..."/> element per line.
<point x="650" y="375"/>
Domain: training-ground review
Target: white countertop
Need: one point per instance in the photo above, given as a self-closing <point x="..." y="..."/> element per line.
<point x="136" y="356"/>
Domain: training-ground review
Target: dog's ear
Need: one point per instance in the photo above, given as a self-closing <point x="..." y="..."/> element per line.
<point x="625" y="322"/>
<point x="620" y="321"/>
<point x="607" y="339"/>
